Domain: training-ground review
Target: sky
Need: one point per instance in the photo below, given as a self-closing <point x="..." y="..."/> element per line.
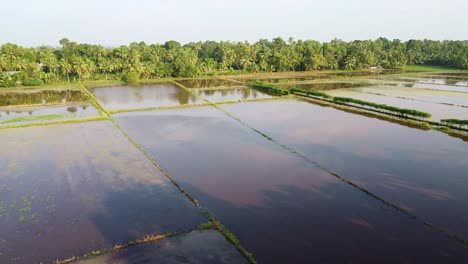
<point x="119" y="22"/>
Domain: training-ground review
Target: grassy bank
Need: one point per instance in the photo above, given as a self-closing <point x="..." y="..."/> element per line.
<point x="53" y="122"/>
<point x="33" y="118"/>
<point x="430" y="68"/>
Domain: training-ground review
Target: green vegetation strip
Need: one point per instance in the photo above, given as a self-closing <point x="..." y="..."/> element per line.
<point x="455" y="122"/>
<point x="156" y="108"/>
<point x="230" y="237"/>
<point x="400" y="111"/>
<point x="56" y="122"/>
<point x="33" y="118"/>
<point x="310" y="93"/>
<point x="349" y="182"/>
<point x="268" y="88"/>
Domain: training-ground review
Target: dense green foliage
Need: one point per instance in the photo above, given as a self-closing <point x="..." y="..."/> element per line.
<point x="455" y="122"/>
<point x="401" y="111"/>
<point x="268" y="88"/>
<point x="130" y="76"/>
<point x="32" y="82"/>
<point x="311" y="93"/>
<point x="74" y="61"/>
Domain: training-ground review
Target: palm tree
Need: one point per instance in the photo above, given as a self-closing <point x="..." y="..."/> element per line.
<point x="66" y="68"/>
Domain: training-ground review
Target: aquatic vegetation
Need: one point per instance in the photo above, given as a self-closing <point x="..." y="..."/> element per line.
<point x="310" y="93"/>
<point x="455" y="122"/>
<point x="393" y="109"/>
<point x="3" y="209"/>
<point x="269" y="88"/>
<point x="33" y="118"/>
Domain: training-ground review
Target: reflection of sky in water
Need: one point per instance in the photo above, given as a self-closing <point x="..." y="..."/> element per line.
<point x="423" y="170"/>
<point x="427" y="95"/>
<point x="80" y="187"/>
<point x="233" y="168"/>
<point x="68" y="111"/>
<point x="263" y="193"/>
<point x="438" y="111"/>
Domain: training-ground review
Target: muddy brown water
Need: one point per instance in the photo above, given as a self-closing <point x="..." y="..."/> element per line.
<point x="284" y="209"/>
<point x="424" y="172"/>
<point x="67" y="190"/>
<point x="143" y="96"/>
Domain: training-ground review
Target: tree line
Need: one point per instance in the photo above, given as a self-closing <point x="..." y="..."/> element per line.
<point x="79" y="61"/>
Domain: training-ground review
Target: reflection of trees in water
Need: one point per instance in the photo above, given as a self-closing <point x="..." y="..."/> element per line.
<point x="40" y="97"/>
<point x="182" y="96"/>
<point x="205" y="83"/>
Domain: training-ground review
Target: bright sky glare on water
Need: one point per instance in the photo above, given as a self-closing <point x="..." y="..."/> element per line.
<point x="120" y="22"/>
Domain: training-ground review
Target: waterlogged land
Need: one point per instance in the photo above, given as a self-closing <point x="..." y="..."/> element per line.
<point x="280" y="206"/>
<point x="293" y="180"/>
<point x="143" y="96"/>
<point x="67" y="190"/>
<point x="27" y="114"/>
<point x="239" y="93"/>
<point x="423" y="172"/>
<point x="438" y="111"/>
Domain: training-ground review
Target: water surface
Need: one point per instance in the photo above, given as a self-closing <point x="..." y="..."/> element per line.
<point x="323" y="86"/>
<point x="424" y="172"/>
<point x="196" y="247"/>
<point x="239" y="93"/>
<point x="8" y="115"/>
<point x="143" y="96"/>
<point x="66" y="190"/>
<point x="427" y="95"/>
<point x="207" y="83"/>
<point x="9" y="97"/>
<point x="438" y="111"/>
<point x="282" y="208"/>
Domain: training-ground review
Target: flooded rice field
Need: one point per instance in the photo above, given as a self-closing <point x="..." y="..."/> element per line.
<point x="67" y="190"/>
<point x="196" y="247"/>
<point x="27" y="114"/>
<point x="143" y="96"/>
<point x="264" y="193"/>
<point x="10" y="97"/>
<point x="427" y="95"/>
<point x="207" y="83"/>
<point x="424" y="172"/>
<point x="322" y="86"/>
<point x="295" y="182"/>
<point x="238" y="93"/>
<point x="438" y="111"/>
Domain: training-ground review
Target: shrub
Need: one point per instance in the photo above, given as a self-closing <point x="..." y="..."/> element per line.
<point x="269" y="88"/>
<point x="311" y="93"/>
<point x="455" y="122"/>
<point x="130" y="77"/>
<point x="394" y="109"/>
<point x="34" y="82"/>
